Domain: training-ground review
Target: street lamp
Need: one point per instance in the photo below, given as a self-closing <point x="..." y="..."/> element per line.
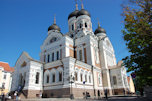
<point x="71" y="80"/>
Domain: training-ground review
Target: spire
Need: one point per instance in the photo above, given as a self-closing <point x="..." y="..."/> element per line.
<point x="98" y="24"/>
<point x="54" y="19"/>
<point x="76" y="5"/>
<point x="82" y="7"/>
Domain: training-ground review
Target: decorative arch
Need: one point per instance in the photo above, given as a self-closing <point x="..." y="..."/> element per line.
<point x="46" y="77"/>
<point x="53" y="75"/>
<point x="59" y="74"/>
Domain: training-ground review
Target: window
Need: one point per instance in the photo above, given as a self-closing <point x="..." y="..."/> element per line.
<point x="53" y="39"/>
<point x="80" y="25"/>
<point x="72" y="27"/>
<point x="99" y="80"/>
<point x="89" y="79"/>
<point x="4" y="76"/>
<point x="114" y="80"/>
<point x="23" y="64"/>
<point x="76" y="76"/>
<point x="44" y="57"/>
<point x="60" y="76"/>
<point x="47" y="79"/>
<point x="85" y="78"/>
<point x="48" y="58"/>
<point x="3" y="85"/>
<point x="37" y="77"/>
<point x="52" y="56"/>
<point x="86" y="25"/>
<point x="57" y="55"/>
<point x="60" y="53"/>
<point x="81" y="77"/>
<point x="53" y="77"/>
<point x="80" y="55"/>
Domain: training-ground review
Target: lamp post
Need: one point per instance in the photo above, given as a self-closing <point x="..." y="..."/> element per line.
<point x="71" y="80"/>
<point x="85" y="96"/>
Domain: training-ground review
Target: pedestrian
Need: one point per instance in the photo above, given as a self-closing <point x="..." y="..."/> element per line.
<point x="3" y="97"/>
<point x="124" y="91"/>
<point x="106" y="94"/>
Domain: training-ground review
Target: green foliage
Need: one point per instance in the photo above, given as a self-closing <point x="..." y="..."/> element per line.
<point x="138" y="36"/>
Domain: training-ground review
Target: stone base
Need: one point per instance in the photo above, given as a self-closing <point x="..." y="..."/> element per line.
<point x="76" y="92"/>
<point x="57" y="93"/>
<point x="29" y="94"/>
<point x="120" y="91"/>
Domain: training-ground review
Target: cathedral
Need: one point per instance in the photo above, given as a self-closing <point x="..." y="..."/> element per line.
<point x="78" y="63"/>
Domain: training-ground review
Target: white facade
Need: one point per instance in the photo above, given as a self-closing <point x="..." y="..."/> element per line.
<point x="80" y="54"/>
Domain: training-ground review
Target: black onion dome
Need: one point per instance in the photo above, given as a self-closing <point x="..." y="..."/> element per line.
<point x="73" y="14"/>
<point x="54" y="27"/>
<point x="83" y="12"/>
<point x="99" y="30"/>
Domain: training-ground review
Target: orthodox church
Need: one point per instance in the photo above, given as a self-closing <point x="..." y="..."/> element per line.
<point x="78" y="63"/>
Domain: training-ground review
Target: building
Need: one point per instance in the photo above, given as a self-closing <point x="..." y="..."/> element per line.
<point x="5" y="78"/>
<point x="131" y="85"/>
<point x="71" y="64"/>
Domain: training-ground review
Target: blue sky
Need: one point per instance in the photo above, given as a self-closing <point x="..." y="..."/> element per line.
<point x="24" y="24"/>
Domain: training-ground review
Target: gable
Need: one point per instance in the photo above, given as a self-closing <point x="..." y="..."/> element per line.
<point x="53" y="37"/>
<point x="23" y="59"/>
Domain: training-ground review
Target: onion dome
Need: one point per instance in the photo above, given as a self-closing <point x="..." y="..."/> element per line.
<point x="83" y="12"/>
<point x="99" y="30"/>
<point x="73" y="14"/>
<point x="54" y="26"/>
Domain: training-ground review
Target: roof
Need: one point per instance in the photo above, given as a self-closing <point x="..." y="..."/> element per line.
<point x="6" y="67"/>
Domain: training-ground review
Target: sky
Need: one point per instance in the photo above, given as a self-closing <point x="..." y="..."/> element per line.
<point x="24" y="24"/>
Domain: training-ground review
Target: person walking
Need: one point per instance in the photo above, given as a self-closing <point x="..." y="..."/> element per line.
<point x="106" y="94"/>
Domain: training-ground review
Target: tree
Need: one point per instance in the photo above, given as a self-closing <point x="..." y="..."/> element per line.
<point x="137" y="34"/>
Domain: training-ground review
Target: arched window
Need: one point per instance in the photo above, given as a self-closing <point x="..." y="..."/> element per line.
<point x="53" y="39"/>
<point x="37" y="77"/>
<point x="47" y="79"/>
<point x="114" y="80"/>
<point x="99" y="79"/>
<point x="72" y="27"/>
<point x="52" y="56"/>
<point x="80" y="55"/>
<point x="44" y="57"/>
<point x="53" y="77"/>
<point x="80" y="25"/>
<point x="48" y="58"/>
<point x="89" y="79"/>
<point x="81" y="77"/>
<point x="86" y="25"/>
<point x="76" y="76"/>
<point x="60" y="76"/>
<point x="57" y="55"/>
<point x="85" y="78"/>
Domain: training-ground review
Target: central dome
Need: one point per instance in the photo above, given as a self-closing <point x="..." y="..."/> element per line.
<point x="83" y="12"/>
<point x="78" y="13"/>
<point x="54" y="27"/>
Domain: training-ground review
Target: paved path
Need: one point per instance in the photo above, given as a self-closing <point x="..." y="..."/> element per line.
<point x="103" y="99"/>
